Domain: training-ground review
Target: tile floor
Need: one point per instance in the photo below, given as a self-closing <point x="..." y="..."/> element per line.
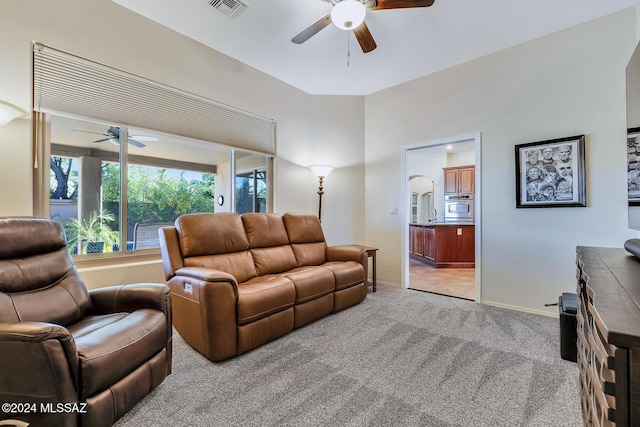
<point x="456" y="282"/>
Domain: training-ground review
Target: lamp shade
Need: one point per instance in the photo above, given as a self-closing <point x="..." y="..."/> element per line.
<point x="348" y="14"/>
<point x="9" y="112"/>
<point x="321" y="170"/>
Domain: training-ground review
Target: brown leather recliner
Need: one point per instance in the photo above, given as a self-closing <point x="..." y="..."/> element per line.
<point x="69" y="356"/>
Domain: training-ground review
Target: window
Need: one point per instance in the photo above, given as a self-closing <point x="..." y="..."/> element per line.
<point x="251" y="192"/>
<point x="251" y="182"/>
<point x="114" y="185"/>
<point x="414" y="207"/>
<point x="112" y="196"/>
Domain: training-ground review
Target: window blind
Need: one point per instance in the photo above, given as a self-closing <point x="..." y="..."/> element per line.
<point x="67" y="84"/>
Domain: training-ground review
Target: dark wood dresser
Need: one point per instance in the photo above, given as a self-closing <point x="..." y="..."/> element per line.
<point x="609" y="336"/>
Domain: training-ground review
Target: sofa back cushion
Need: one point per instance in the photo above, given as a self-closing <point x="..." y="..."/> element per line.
<point x="216" y="240"/>
<point x="269" y="243"/>
<point x="38" y="281"/>
<point x="306" y="238"/>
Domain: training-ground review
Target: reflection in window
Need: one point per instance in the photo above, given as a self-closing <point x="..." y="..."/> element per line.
<point x="251" y="182"/>
<point x="251" y="192"/>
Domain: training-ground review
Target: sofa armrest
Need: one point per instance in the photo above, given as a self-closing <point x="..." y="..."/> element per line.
<point x="37" y="332"/>
<point x="206" y="274"/>
<point x="132" y="297"/>
<point x="170" y="250"/>
<point x="357" y="253"/>
<point x="205" y="304"/>
<point x="40" y="360"/>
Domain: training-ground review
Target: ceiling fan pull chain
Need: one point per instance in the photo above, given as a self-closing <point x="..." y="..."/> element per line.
<point x="348" y="49"/>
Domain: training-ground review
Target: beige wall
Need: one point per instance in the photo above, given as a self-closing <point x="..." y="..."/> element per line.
<point x="310" y="129"/>
<point x="568" y="83"/>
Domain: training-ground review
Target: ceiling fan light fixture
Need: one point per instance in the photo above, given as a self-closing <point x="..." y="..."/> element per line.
<point x="348" y="14"/>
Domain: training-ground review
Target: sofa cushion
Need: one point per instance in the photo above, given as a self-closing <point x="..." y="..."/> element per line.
<point x="38" y="281"/>
<point x="269" y="243"/>
<point x="310" y="253"/>
<point x="109" y="347"/>
<point x="264" y="230"/>
<point x="262" y="296"/>
<point x="62" y="301"/>
<point x="303" y="228"/>
<point x="273" y="260"/>
<point x="239" y="264"/>
<point x="306" y="237"/>
<point x="311" y="282"/>
<point x="347" y="274"/>
<point x="211" y="234"/>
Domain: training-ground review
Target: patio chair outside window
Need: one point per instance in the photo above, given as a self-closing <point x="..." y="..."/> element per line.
<point x="146" y="235"/>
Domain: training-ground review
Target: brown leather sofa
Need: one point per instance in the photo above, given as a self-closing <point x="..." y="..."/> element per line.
<point x="69" y="356"/>
<point x="238" y="282"/>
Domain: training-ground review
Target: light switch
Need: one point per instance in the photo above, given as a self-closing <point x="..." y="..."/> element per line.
<point x="459" y="231"/>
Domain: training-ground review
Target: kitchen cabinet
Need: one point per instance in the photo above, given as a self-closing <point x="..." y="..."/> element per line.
<point x="416" y="241"/>
<point x="443" y="245"/>
<point x="429" y="245"/>
<point x="459" y="180"/>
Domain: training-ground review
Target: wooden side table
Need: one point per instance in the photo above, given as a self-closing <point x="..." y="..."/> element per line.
<point x="371" y="253"/>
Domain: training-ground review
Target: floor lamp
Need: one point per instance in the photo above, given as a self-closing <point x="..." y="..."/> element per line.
<point x="321" y="171"/>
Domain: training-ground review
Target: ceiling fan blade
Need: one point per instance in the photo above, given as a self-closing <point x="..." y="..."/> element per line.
<point x="88" y="131"/>
<point x="144" y="138"/>
<point x="362" y="33"/>
<point x="312" y="30"/>
<point x="102" y="140"/>
<point x="400" y="4"/>
<point x="136" y="143"/>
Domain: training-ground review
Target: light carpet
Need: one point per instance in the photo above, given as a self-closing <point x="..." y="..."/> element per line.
<point x="399" y="358"/>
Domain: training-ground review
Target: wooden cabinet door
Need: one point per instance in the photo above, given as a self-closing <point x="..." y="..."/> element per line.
<point x="430" y="243"/>
<point x="452" y="247"/>
<point x="419" y="241"/>
<point x="459" y="180"/>
<point x="466" y="180"/>
<point x="412" y="239"/>
<point x="451" y="181"/>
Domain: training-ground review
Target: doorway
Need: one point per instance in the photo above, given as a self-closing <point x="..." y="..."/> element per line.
<point x="424" y="228"/>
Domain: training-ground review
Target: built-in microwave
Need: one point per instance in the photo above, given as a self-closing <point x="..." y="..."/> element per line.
<point x="458" y="208"/>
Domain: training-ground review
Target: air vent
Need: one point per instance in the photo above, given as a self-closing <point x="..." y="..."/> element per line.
<point x="231" y="8"/>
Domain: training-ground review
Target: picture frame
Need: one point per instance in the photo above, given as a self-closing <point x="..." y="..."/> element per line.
<point x="551" y="173"/>
<point x="633" y="166"/>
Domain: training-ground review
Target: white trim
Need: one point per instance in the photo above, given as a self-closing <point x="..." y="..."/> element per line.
<point x="405" y="214"/>
<point x="390" y="284"/>
<point x="522" y="309"/>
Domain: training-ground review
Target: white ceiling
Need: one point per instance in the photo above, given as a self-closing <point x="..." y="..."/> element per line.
<point x="411" y="42"/>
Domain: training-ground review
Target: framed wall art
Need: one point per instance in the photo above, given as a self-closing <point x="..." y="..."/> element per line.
<point x="551" y="174"/>
<point x="633" y="166"/>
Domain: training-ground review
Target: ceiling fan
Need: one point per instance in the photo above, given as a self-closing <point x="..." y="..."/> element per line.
<point x="113" y="135"/>
<point x="350" y="14"/>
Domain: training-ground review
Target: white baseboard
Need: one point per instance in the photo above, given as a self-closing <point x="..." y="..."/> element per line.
<point x="554" y="314"/>
<point x="393" y="285"/>
<point x="522" y="309"/>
